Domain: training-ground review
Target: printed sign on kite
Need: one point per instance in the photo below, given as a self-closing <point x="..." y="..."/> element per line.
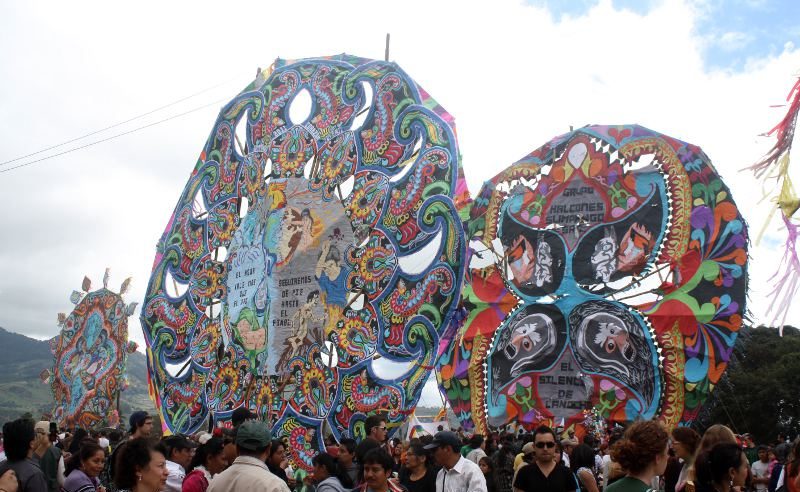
<point x="607" y="278"/>
<point x="315" y="257"/>
<point x="91" y="353"/>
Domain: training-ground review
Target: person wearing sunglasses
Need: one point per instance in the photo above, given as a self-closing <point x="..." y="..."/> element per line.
<point x="544" y="474"/>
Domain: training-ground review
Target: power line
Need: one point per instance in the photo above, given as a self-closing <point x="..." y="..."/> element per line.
<point x="112" y="136"/>
<point x="115" y="124"/>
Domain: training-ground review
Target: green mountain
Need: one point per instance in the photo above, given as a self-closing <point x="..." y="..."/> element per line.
<point x="22" y="391"/>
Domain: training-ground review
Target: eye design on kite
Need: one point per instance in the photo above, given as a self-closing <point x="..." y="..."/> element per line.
<point x="531" y="340"/>
<point x="629" y="242"/>
<point x="610" y="340"/>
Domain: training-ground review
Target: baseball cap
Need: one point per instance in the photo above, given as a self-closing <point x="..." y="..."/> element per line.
<point x="137" y="418"/>
<point x="42" y="425"/>
<point x="528" y="448"/>
<point x="253" y="435"/>
<point x="569" y="442"/>
<point x="445" y="438"/>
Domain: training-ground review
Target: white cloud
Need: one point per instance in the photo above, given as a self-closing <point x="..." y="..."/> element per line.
<point x="511" y="74"/>
<point x="734" y="40"/>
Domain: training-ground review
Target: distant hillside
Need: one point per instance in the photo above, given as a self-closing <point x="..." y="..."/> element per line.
<point x="21" y="390"/>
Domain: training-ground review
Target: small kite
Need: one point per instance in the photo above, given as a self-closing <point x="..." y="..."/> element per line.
<point x="91" y="353"/>
<point x="313" y="260"/>
<point x="607" y="280"/>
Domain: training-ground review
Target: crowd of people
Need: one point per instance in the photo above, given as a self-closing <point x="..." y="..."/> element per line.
<point x="643" y="457"/>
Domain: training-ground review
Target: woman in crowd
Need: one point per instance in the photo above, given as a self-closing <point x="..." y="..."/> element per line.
<point x="485" y="465"/>
<point x="83" y="468"/>
<point x="684" y="442"/>
<point x="642" y="453"/>
<point x="714" y="435"/>
<point x="722" y="469"/>
<point x="208" y="460"/>
<point x="417" y="475"/>
<point x="140" y="467"/>
<point x="503" y="461"/>
<point x="582" y="464"/>
<point x="792" y="470"/>
<point x="327" y="476"/>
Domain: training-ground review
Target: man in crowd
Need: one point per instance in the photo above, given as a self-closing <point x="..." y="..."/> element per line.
<point x="567" y="445"/>
<point x="544" y="474"/>
<point x="19" y="439"/>
<point x="48" y="456"/>
<point x="347" y="450"/>
<point x="760" y="470"/>
<point x="249" y="472"/>
<point x="178" y="451"/>
<point x="458" y="474"/>
<point x="378" y="465"/>
<point x="141" y="425"/>
<point x="375" y="427"/>
<point x="476" y="448"/>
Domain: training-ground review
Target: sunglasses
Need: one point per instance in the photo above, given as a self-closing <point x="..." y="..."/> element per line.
<point x="549" y="444"/>
<point x="382" y="428"/>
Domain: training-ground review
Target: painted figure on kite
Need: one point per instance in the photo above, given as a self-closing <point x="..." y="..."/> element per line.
<point x="607" y="281"/>
<point x="309" y="242"/>
<point x="90" y="356"/>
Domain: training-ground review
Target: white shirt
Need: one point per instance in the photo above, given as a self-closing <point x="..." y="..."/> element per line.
<point x="760" y="470"/>
<point x="175" y="477"/>
<point x="464" y="476"/>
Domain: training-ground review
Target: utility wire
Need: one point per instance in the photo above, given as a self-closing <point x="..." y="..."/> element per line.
<point x="173" y="103"/>
<point x="112" y="136"/>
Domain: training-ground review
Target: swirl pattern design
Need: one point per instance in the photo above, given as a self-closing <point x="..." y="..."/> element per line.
<point x="315" y="257"/>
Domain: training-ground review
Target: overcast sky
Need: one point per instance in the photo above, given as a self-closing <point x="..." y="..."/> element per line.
<point x="513" y="74"/>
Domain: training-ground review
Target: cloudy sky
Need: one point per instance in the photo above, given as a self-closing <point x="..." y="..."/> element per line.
<point x="513" y="73"/>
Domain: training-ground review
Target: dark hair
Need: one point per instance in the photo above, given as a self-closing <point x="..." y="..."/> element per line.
<point x="17" y="438"/>
<point x="349" y="444"/>
<point x="329" y="463"/>
<point x="582" y="457"/>
<point x="273" y="446"/>
<point x="712" y="466"/>
<point x="77" y="440"/>
<point x="211" y="448"/>
<point x="174" y="443"/>
<point x="311" y="295"/>
<point x="417" y="449"/>
<point x="488" y="461"/>
<point x="688" y="437"/>
<point x="88" y="448"/>
<point x="379" y="456"/>
<point x="134" y="456"/>
<point x="475" y="441"/>
<point x="643" y="441"/>
<point x="240" y="415"/>
<point x="373" y="421"/>
<point x="543" y="429"/>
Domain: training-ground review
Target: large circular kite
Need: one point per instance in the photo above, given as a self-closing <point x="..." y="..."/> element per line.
<point x="315" y="257"/>
<point x="90" y="356"/>
<point x="607" y="278"/>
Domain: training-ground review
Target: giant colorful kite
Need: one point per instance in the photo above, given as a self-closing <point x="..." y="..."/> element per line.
<point x="90" y="353"/>
<point x="607" y="277"/>
<point x="315" y="257"/>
